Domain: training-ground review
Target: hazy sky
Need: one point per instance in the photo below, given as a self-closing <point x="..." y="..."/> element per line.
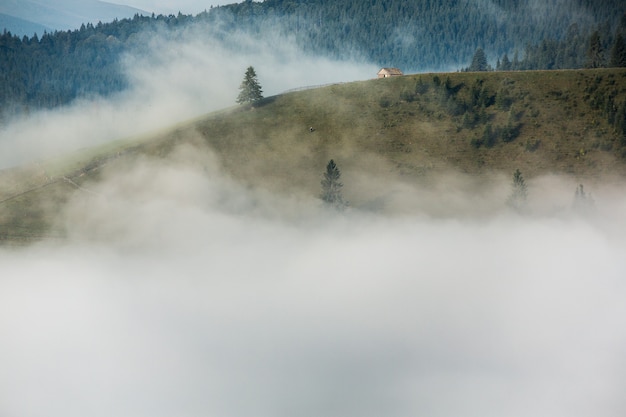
<point x="168" y="6"/>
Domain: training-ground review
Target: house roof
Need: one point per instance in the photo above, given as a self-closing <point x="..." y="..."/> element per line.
<point x="390" y="71"/>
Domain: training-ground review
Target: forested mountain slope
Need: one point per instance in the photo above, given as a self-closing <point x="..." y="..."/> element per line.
<point x="424" y="34"/>
<point x="416" y="36"/>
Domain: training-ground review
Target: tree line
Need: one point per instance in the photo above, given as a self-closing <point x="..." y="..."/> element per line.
<point x="433" y="35"/>
<point x="56" y="68"/>
<point x="599" y="49"/>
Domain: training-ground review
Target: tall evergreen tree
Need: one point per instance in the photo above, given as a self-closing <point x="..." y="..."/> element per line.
<point x="519" y="192"/>
<point x="331" y="186"/>
<point x="515" y="65"/>
<point x="250" y="88"/>
<point x="505" y="65"/>
<point x="618" y="52"/>
<point x="479" y="61"/>
<point x="595" y="53"/>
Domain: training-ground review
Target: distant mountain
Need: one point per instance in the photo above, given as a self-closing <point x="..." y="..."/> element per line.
<point x="23" y="17"/>
<point x="21" y="27"/>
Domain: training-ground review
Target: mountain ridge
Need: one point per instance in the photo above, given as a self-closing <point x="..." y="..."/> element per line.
<point x="60" y="14"/>
<point x="21" y="27"/>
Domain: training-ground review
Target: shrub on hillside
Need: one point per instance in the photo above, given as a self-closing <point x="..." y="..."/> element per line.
<point x="489" y="136"/>
<point x="476" y="143"/>
<point x="407" y="96"/>
<point x="504" y="100"/>
<point x="421" y="87"/>
<point x="480" y="95"/>
<point x="385" y="101"/>
<point x="532" y="145"/>
<point x="509" y="132"/>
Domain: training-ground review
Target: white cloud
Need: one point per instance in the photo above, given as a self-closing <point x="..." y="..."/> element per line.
<point x="182" y="293"/>
<point x="173" y="78"/>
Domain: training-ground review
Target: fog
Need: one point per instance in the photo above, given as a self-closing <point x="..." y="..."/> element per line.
<point x="181" y="292"/>
<point x="173" y="78"/>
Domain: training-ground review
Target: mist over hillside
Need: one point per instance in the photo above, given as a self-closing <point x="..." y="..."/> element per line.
<point x="188" y="267"/>
<point x="182" y="292"/>
<point x="171" y="80"/>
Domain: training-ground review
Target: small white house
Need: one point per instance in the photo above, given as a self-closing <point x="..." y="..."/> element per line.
<point x="389" y="72"/>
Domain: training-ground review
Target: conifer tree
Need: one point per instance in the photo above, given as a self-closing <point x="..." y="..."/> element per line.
<point x="515" y="65"/>
<point x="583" y="202"/>
<point x="505" y="65"/>
<point x="250" y="88"/>
<point x="519" y="192"/>
<point x="595" y="53"/>
<point x="331" y="186"/>
<point x="618" y="52"/>
<point x="479" y="61"/>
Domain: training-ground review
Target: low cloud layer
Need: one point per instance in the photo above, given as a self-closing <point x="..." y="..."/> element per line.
<point x="173" y="78"/>
<point x="182" y="293"/>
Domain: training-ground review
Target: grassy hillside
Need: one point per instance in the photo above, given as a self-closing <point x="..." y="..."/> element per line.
<point x="409" y="129"/>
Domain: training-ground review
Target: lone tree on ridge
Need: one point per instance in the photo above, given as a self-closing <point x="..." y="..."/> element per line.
<point x="331" y="186"/>
<point x="250" y="88"/>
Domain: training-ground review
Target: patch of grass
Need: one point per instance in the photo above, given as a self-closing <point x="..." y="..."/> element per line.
<point x="532" y="145"/>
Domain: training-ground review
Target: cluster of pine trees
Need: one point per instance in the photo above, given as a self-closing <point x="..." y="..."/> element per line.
<point x="332" y="196"/>
<point x="430" y="35"/>
<point x="56" y="68"/>
<point x="602" y="48"/>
